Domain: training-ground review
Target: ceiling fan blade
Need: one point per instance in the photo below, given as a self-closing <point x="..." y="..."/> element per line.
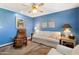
<point x="24" y="5"/>
<point x="41" y="4"/>
<point x="41" y="11"/>
<point x="29" y="11"/>
<point x="33" y="4"/>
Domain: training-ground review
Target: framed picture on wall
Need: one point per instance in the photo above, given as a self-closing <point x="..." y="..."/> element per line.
<point x="19" y="21"/>
<point x="44" y="24"/>
<point x="51" y="24"/>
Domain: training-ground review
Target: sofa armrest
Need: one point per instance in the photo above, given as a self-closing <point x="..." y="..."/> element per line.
<point x="53" y="51"/>
<point x="64" y="50"/>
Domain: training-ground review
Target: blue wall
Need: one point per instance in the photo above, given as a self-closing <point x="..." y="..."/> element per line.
<point x="77" y="24"/>
<point x="8" y="24"/>
<point x="68" y="16"/>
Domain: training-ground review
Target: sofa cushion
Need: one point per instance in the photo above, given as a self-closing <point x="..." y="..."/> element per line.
<point x="52" y="39"/>
<point x="41" y="34"/>
<point x="45" y="35"/>
<point x="55" y="35"/>
<point x="46" y="38"/>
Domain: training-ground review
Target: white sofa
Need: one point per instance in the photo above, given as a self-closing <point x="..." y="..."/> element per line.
<point x="63" y="50"/>
<point x="47" y="38"/>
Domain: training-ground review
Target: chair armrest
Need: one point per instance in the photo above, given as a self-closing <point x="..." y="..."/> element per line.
<point x="64" y="50"/>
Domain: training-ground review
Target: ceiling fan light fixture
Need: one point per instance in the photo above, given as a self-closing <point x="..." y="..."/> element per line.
<point x="34" y="10"/>
<point x="35" y="7"/>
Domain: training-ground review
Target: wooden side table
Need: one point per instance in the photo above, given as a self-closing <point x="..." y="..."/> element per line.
<point x="68" y="42"/>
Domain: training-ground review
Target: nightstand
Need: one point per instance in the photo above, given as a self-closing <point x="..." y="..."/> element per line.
<point x="68" y="42"/>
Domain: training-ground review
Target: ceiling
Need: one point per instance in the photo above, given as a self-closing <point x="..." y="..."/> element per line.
<point x="47" y="8"/>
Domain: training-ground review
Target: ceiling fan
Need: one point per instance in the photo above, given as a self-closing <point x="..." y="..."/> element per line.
<point x="35" y="7"/>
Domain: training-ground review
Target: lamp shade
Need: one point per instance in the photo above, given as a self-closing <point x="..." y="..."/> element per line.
<point x="67" y="26"/>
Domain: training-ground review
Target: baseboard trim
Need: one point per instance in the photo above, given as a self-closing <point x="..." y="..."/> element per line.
<point x="6" y="44"/>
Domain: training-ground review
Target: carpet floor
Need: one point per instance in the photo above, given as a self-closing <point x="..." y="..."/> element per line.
<point x="32" y="48"/>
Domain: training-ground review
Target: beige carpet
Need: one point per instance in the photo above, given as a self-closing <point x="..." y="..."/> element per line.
<point x="31" y="49"/>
